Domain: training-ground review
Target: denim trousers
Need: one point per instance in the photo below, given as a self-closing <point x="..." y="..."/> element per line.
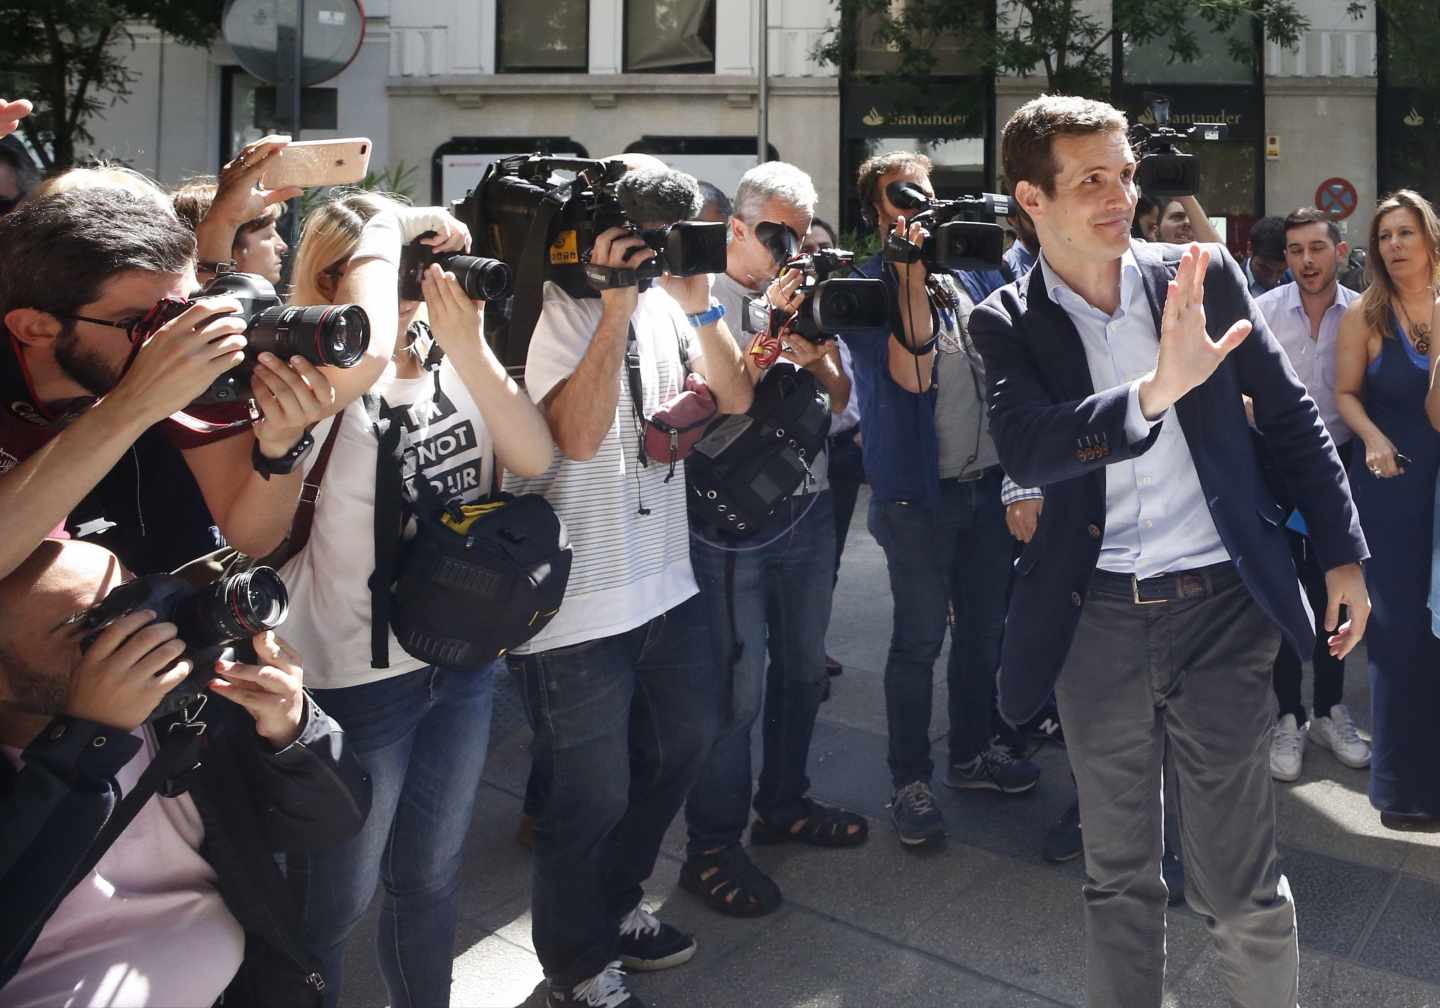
<point x="957" y="552"/>
<point x="421" y="737"/>
<point x="1186" y="681"/>
<point x="776" y="601"/>
<point x="621" y="726"/>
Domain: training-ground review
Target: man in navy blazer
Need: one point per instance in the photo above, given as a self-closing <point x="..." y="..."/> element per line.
<point x="1153" y="595"/>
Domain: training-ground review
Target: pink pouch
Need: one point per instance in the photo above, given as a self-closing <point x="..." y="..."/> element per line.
<point x="672" y="430"/>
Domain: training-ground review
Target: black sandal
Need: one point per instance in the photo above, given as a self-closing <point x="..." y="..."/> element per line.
<point x="821" y="826"/>
<point x="729" y="882"/>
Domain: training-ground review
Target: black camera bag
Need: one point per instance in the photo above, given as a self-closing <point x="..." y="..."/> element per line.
<point x="475" y="580"/>
<point x="749" y="462"/>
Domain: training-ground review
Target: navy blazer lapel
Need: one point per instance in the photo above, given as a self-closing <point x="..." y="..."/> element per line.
<point x="1055" y="342"/>
<point x="1156" y="275"/>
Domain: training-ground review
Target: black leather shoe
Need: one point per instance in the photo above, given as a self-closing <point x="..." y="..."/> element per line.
<point x="1410" y="822"/>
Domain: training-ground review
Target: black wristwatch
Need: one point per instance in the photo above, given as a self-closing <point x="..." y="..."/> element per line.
<point x="285" y="464"/>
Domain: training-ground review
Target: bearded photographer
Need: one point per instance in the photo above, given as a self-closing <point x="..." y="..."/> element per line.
<point x="620" y="686"/>
<point x="178" y="901"/>
<point x="936" y="510"/>
<point x="79" y="271"/>
<point x="767" y="594"/>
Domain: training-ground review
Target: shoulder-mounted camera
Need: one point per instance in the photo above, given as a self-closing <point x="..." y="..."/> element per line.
<point x="1165" y="171"/>
<point x="963" y="234"/>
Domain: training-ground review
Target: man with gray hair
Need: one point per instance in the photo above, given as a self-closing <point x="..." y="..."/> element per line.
<point x="619" y="687"/>
<point x="768" y="592"/>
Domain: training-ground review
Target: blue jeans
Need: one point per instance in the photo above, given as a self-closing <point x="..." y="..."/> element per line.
<point x="621" y="726"/>
<point x="959" y="552"/>
<point x="781" y="599"/>
<point x="422" y="738"/>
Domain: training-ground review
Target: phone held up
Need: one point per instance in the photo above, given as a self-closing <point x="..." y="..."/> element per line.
<point x="309" y="163"/>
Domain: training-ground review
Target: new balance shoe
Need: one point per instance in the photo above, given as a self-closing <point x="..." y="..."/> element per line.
<point x="1287" y="749"/>
<point x="1337" y="733"/>
<point x="993" y="770"/>
<point x="1045" y="727"/>
<point x="605" y="989"/>
<point x="648" y="944"/>
<point x="916" y="819"/>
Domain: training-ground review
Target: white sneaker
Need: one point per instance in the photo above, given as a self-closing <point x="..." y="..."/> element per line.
<point x="1287" y="749"/>
<point x="1337" y="733"/>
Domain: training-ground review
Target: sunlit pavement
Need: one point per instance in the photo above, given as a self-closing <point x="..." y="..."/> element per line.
<point x="983" y="922"/>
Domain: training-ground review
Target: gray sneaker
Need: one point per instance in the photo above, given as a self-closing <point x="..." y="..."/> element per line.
<point x="916" y="819"/>
<point x="993" y="770"/>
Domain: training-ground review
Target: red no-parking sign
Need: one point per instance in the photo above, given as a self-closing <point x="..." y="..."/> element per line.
<point x="1337" y="197"/>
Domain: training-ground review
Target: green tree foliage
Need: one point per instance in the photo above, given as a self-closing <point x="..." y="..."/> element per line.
<point x="68" y="57"/>
<point x="1065" y="40"/>
<point x="1412" y="33"/>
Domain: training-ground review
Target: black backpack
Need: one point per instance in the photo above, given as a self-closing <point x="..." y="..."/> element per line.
<point x="749" y="462"/>
<point x="476" y="580"/>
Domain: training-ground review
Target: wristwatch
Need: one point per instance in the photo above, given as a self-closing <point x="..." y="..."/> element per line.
<point x="709" y="316"/>
<point x="285" y="464"/>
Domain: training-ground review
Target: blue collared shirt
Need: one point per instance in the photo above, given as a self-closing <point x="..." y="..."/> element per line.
<point x="1156" y="519"/>
<point x="1312" y="358"/>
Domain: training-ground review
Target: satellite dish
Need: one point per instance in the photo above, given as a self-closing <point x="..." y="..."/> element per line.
<point x="334" y="30"/>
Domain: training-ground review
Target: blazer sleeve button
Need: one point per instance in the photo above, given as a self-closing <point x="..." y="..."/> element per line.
<point x="1094" y="531"/>
<point x="1075" y="598"/>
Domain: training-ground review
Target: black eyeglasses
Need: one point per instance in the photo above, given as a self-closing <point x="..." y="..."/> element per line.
<point x="129" y="327"/>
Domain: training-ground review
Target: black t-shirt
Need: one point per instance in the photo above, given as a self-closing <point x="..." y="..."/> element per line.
<point x="148" y="510"/>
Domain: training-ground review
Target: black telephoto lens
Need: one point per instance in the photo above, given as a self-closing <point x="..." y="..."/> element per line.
<point x="334" y="335"/>
<point x="482" y="279"/>
<point x="233" y="609"/>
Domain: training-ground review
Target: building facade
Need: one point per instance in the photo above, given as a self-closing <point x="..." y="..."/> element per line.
<point x="444" y="86"/>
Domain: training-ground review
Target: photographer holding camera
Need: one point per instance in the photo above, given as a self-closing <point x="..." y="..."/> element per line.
<point x="768" y="593"/>
<point x="420" y="729"/>
<point x="85" y="385"/>
<point x="937" y="513"/>
<point x="620" y="687"/>
<point x="136" y="851"/>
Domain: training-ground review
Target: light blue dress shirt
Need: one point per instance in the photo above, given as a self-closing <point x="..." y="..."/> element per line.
<point x="1156" y="519"/>
<point x="1312" y="359"/>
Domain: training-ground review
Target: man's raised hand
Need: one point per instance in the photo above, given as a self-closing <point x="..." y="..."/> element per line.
<point x="1188" y="356"/>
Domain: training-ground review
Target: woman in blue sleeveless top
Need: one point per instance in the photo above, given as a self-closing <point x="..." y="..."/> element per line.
<point x="1382" y="377"/>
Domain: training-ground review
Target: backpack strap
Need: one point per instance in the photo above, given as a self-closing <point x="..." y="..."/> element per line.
<point x="389" y="522"/>
<point x="304" y="519"/>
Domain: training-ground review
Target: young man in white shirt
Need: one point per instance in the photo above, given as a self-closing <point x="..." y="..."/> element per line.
<point x="619" y="687"/>
<point x="1305" y="317"/>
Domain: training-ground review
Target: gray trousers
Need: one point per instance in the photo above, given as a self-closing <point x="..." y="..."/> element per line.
<point x="1193" y="673"/>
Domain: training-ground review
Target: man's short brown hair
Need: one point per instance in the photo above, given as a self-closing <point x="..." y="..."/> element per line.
<point x="1309" y="215"/>
<point x="193" y="197"/>
<point x="1027" y="143"/>
<point x="873" y="169"/>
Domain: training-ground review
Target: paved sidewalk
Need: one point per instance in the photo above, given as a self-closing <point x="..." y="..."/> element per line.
<point x="984" y="922"/>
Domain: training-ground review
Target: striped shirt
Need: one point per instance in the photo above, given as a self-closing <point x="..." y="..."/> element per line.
<point x="627" y="525"/>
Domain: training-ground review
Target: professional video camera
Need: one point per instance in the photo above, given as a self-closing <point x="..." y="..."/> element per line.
<point x="483" y="279"/>
<point x="542" y="214"/>
<point x="831" y="305"/>
<point x="1166" y="172"/>
<point x="209" y="620"/>
<point x="963" y="232"/>
<point x="337" y="335"/>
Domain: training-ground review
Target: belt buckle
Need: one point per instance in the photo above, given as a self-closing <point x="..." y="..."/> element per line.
<point x="1135" y="593"/>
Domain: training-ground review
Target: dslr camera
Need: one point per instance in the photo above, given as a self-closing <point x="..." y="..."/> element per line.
<point x="1166" y="172"/>
<point x="541" y="215"/>
<point x="963" y="233"/>
<point x="832" y="304"/>
<point x="483" y="279"/>
<point x="337" y="335"/>
<point x="209" y="619"/>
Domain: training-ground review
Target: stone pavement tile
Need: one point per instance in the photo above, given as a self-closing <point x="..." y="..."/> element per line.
<point x="495" y="869"/>
<point x="1422" y="854"/>
<point x="1406" y="939"/>
<point x="507" y="764"/>
<point x="1353" y="986"/>
<point x="1202" y="985"/>
<point x="493" y="973"/>
<point x="1334" y="900"/>
<point x="808" y="961"/>
<point x="1327" y="811"/>
<point x="1025" y="924"/>
<point x="876" y="887"/>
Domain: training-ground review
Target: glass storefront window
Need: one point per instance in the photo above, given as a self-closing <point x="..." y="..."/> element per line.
<point x="670" y="36"/>
<point x="549" y="37"/>
<point x="238" y="116"/>
<point x="1152" y="63"/>
<point x="873" y="55"/>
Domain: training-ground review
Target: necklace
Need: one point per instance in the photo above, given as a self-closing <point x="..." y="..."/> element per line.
<point x="1419" y="334"/>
